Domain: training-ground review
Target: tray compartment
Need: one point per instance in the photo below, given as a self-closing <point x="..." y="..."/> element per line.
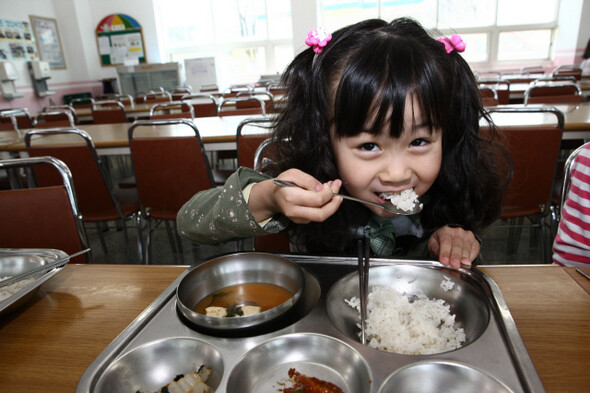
<point x="466" y="300"/>
<point x="150" y="366"/>
<point x="265" y="367"/>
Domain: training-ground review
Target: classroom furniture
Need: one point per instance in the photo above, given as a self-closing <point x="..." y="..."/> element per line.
<point x="502" y="88"/>
<point x="45" y="216"/>
<point x="250" y="105"/>
<point x="168" y="170"/>
<point x="553" y="92"/>
<point x="489" y="96"/>
<point x="172" y="110"/>
<point x="80" y="311"/>
<point x="534" y="151"/>
<point x="56" y="116"/>
<point x="99" y="201"/>
<point x="204" y="105"/>
<point x="568" y="70"/>
<point x="108" y="112"/>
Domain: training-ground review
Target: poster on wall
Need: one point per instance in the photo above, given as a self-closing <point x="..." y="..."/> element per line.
<point x="120" y="41"/>
<point x="17" y="41"/>
<point x="48" y="41"/>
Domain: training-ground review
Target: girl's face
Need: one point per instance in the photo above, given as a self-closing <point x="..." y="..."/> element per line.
<point x="369" y="165"/>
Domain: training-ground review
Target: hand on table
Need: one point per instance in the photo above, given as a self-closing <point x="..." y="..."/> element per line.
<point x="454" y="246"/>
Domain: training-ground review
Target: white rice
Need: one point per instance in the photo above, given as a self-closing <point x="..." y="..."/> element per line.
<point x="419" y="327"/>
<point x="405" y="200"/>
<point x="446" y="284"/>
<point x="11" y="289"/>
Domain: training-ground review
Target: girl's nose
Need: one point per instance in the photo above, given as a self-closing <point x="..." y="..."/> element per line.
<point x="395" y="171"/>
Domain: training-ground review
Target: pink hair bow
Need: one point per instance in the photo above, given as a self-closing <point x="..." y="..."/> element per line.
<point x="317" y="39"/>
<point x="453" y="43"/>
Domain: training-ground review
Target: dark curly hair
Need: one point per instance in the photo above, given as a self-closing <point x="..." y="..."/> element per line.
<point x="366" y="71"/>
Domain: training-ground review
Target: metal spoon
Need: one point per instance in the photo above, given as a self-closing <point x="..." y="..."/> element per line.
<point x="385" y="206"/>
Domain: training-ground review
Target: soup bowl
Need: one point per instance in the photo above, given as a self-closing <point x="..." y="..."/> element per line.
<point x="241" y="268"/>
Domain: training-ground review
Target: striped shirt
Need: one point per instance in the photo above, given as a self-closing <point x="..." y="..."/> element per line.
<point x="572" y="243"/>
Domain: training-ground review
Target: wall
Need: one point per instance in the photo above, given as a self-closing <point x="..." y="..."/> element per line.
<point x="77" y="21"/>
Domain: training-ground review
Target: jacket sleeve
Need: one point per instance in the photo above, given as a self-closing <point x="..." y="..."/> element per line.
<point x="221" y="214"/>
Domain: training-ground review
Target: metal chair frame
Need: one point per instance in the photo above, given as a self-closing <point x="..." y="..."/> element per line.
<point x="56" y="112"/>
<point x="145" y="185"/>
<point x="544" y="208"/>
<point x="103" y="173"/>
<point x="198" y="106"/>
<point x="171" y="106"/>
<point x="100" y="106"/>
<point x="42" y="192"/>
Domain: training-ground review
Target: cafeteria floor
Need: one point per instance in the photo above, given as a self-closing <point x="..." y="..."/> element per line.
<point x="494" y="248"/>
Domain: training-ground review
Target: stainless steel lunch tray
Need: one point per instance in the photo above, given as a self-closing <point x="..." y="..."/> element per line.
<point x="15" y="261"/>
<point x="497" y="361"/>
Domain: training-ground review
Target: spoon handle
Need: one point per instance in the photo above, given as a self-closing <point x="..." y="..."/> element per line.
<point x="286" y="183"/>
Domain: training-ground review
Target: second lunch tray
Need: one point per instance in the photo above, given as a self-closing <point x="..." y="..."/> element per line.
<point x="316" y="345"/>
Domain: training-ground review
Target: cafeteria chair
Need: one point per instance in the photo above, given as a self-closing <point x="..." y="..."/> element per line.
<point x="153" y="97"/>
<point x="234" y="106"/>
<point x="125" y="99"/>
<point x="15" y="119"/>
<point x="251" y="133"/>
<point x="568" y="70"/>
<point x="204" y="105"/>
<point x="534" y="150"/>
<point x="487" y="75"/>
<point x="502" y="88"/>
<point x="42" y="217"/>
<point x="85" y="102"/>
<point x="180" y="92"/>
<point x="56" y="116"/>
<point x="558" y="92"/>
<point x="267" y="97"/>
<point x="108" y="112"/>
<point x="534" y="69"/>
<point x="169" y="170"/>
<point x="517" y="77"/>
<point x="100" y="202"/>
<point x="172" y="110"/>
<point x="234" y="90"/>
<point x="209" y="88"/>
<point x="489" y="96"/>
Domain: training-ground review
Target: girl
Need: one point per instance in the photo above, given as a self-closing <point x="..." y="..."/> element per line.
<point x="376" y="107"/>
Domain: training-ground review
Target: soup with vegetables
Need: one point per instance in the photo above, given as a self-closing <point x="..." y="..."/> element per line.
<point x="243" y="299"/>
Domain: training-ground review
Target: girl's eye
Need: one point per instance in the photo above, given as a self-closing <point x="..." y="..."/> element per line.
<point x="369" y="147"/>
<point x="419" y="142"/>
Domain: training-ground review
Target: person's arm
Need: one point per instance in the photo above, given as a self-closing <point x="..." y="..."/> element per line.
<point x="221" y="214"/>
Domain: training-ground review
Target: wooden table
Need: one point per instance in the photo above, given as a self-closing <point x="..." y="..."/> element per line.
<point x="48" y="343"/>
<point x="576" y="116"/>
<point x="217" y="133"/>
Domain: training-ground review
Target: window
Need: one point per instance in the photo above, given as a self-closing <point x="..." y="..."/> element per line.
<point x="496" y="31"/>
<point x="248" y="38"/>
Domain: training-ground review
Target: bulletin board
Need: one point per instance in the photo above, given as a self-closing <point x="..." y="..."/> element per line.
<point x="120" y="41"/>
<point x="17" y="41"/>
<point x="48" y="41"/>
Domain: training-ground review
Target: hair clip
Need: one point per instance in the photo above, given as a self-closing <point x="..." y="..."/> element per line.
<point x="317" y="39"/>
<point x="453" y="43"/>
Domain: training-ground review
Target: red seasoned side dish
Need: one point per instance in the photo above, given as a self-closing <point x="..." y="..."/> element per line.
<point x="304" y="384"/>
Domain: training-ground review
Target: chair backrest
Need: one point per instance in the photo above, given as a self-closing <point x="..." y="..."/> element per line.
<point x="568" y="70"/>
<point x="153" y="97"/>
<point x="108" y="112"/>
<point x="85" y="102"/>
<point x="518" y="77"/>
<point x="125" y="99"/>
<point x="553" y="93"/>
<point x="43" y="217"/>
<point x="15" y="119"/>
<point x="234" y="106"/>
<point x="169" y="170"/>
<point x="489" y="96"/>
<point x="209" y="88"/>
<point x="180" y="92"/>
<point x="535" y="69"/>
<point x="172" y="110"/>
<point x="502" y="88"/>
<point x="204" y="105"/>
<point x="534" y="149"/>
<point x="264" y="95"/>
<point x="251" y="134"/>
<point x="234" y="90"/>
<point x="56" y="116"/>
<point x="92" y="182"/>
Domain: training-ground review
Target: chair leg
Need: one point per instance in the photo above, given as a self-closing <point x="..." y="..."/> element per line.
<point x="140" y="251"/>
<point x="148" y="242"/>
<point x="514" y="235"/>
<point x="101" y="237"/>
<point x="171" y="237"/>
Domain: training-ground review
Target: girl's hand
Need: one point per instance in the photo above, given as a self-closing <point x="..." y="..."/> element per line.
<point x="312" y="202"/>
<point x="454" y="246"/>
